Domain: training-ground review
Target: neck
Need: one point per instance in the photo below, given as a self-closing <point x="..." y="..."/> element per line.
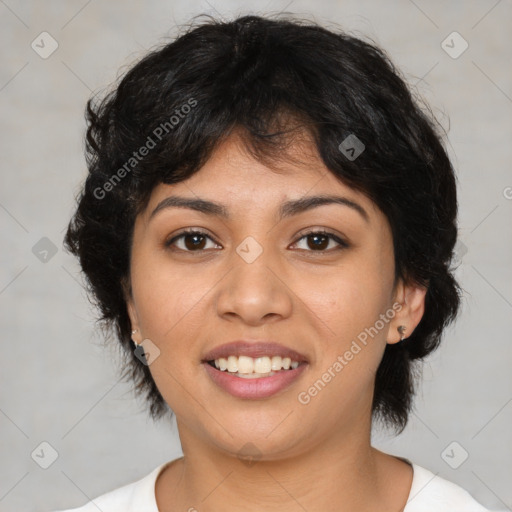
<point x="346" y="474"/>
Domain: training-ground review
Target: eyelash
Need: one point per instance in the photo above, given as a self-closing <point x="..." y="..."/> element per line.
<point x="341" y="243"/>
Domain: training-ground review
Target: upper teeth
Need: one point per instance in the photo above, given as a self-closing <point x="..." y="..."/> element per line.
<point x="245" y="364"/>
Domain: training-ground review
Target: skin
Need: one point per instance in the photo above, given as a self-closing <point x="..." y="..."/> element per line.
<point x="314" y="457"/>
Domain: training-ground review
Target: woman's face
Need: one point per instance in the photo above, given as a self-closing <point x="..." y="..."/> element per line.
<point x="254" y="275"/>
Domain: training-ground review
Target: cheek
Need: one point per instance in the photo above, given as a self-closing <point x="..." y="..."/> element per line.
<point x="168" y="299"/>
<point x="349" y="346"/>
<point x="170" y="308"/>
<point x="346" y="299"/>
<point x="347" y="304"/>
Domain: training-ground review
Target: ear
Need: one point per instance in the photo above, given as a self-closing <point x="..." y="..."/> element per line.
<point x="410" y="300"/>
<point x="132" y="313"/>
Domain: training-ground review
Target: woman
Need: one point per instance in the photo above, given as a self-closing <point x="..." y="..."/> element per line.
<point x="268" y="225"/>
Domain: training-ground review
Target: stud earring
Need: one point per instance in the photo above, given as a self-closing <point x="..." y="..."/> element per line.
<point x="401" y="330"/>
<point x="133" y="332"/>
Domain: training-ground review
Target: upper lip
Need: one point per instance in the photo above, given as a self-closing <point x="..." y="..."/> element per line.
<point x="253" y="349"/>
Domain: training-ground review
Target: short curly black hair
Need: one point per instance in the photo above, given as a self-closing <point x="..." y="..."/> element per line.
<point x="267" y="77"/>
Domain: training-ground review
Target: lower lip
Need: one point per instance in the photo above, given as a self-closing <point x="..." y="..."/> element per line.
<point x="261" y="387"/>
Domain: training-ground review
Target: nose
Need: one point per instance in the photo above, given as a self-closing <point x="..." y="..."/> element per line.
<point x="254" y="292"/>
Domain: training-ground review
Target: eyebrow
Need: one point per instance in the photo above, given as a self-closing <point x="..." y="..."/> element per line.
<point x="287" y="209"/>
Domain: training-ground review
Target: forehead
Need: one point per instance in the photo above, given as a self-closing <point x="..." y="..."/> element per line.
<point x="241" y="182"/>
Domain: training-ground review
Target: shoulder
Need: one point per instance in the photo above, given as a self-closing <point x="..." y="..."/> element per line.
<point x="137" y="496"/>
<point x="431" y="492"/>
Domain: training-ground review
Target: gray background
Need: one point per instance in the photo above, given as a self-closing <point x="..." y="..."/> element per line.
<point x="59" y="385"/>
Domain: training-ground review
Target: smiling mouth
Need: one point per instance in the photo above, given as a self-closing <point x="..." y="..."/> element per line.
<point x="254" y="378"/>
<point x="247" y="367"/>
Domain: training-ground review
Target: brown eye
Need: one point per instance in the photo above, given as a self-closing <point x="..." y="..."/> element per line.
<point x="320" y="240"/>
<point x="190" y="241"/>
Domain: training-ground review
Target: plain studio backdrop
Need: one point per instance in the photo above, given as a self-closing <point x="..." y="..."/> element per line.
<point x="70" y="430"/>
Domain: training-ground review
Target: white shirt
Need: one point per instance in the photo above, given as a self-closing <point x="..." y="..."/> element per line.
<point x="429" y="493"/>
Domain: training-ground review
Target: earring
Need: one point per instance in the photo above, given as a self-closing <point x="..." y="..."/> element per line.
<point x="401" y="330"/>
<point x="134" y="331"/>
